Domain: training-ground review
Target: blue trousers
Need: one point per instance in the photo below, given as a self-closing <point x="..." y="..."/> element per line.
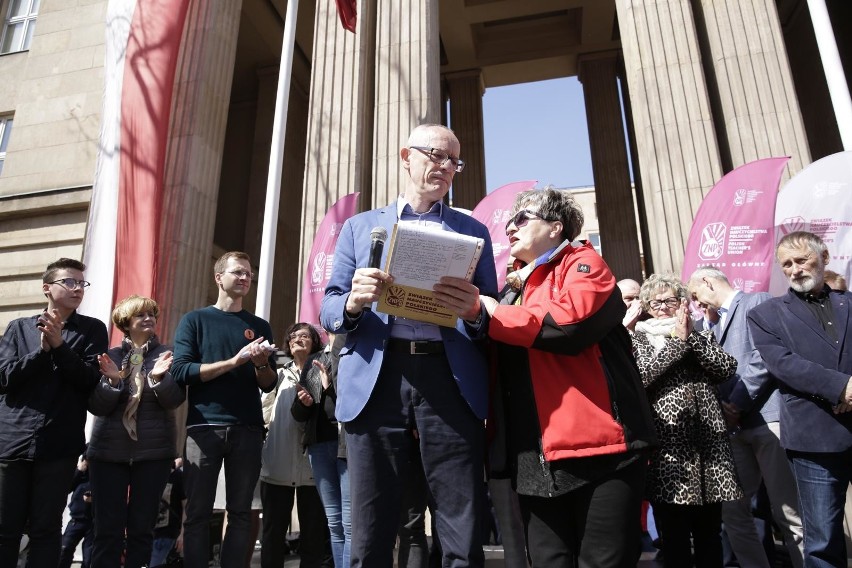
<point x="415" y="392"/>
<point x="822" y="479"/>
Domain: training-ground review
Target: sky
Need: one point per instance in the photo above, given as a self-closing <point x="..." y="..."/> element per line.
<point x="537" y="131"/>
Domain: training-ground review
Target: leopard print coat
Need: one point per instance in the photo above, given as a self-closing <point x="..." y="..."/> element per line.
<point x="693" y="464"/>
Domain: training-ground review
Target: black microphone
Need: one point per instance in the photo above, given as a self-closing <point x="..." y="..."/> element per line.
<point x="378" y="236"/>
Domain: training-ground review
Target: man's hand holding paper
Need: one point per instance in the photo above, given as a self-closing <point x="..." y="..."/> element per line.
<point x="459" y="296"/>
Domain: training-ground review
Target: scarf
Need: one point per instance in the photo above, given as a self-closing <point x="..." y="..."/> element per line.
<point x="657" y="330"/>
<point x="133" y="368"/>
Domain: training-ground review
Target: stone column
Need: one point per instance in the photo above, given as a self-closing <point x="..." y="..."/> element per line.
<point x="466" y="89"/>
<point x="199" y="117"/>
<point x="675" y="138"/>
<point x="408" y="88"/>
<point x="340" y="118"/>
<point x="760" y="110"/>
<point x="613" y="193"/>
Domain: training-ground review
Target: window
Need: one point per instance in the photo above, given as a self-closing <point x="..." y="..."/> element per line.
<point x="18" y="25"/>
<point x="595" y="239"/>
<point x="5" y="131"/>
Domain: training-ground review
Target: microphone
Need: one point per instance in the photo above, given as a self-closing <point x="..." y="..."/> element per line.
<point x="378" y="236"/>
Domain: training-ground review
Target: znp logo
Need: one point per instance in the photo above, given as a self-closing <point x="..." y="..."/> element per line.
<point x="712" y="241"/>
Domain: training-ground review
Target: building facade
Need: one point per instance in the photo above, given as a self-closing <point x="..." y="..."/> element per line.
<point x="699" y="86"/>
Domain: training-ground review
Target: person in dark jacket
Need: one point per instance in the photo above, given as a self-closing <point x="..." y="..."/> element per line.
<point x="133" y="446"/>
<point x="314" y="405"/>
<point x="80" y="527"/>
<point x="575" y="417"/>
<point x="48" y="367"/>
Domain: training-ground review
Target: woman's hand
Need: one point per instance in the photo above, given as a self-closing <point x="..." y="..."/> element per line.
<point x="304" y="396"/>
<point x="323" y="372"/>
<point x="489" y="303"/>
<point x="109" y="370"/>
<point x="161" y="366"/>
<point x="634" y="311"/>
<point x="683" y="323"/>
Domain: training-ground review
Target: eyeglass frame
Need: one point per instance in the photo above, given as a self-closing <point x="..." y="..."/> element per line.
<point x="658" y="304"/>
<point x="296" y="335"/>
<point x="82" y="284"/>
<point x="458" y="163"/>
<point x="522" y="217"/>
<point x="240" y="274"/>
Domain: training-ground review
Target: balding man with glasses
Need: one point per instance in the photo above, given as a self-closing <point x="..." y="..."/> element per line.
<point x="406" y="387"/>
<point x="48" y="368"/>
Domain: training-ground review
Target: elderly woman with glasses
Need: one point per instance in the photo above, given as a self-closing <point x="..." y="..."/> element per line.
<point x="133" y="443"/>
<point x="285" y="474"/>
<point x="692" y="471"/>
<point x="571" y="414"/>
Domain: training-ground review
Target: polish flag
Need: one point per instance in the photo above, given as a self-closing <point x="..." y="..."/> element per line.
<point x="143" y="39"/>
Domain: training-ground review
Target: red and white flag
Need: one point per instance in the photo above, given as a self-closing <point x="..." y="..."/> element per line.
<point x="143" y="40"/>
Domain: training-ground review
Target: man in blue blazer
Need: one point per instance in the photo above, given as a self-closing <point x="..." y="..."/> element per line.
<point x="802" y="337"/>
<point x="751" y="402"/>
<point x="405" y="386"/>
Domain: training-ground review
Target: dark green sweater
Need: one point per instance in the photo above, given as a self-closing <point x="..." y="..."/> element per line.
<point x="209" y="335"/>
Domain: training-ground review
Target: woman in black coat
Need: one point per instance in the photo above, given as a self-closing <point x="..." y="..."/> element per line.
<point x="133" y="440"/>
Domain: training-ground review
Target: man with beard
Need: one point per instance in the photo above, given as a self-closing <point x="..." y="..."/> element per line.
<point x="801" y="337"/>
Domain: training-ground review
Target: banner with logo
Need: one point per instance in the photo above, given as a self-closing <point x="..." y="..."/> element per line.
<point x="494" y="212"/>
<point x="321" y="259"/>
<point x="734" y="227"/>
<point x="818" y="199"/>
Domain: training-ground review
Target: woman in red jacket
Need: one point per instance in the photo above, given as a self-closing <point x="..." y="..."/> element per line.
<point x="574" y="413"/>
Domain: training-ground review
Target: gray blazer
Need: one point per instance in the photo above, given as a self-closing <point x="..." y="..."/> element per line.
<point x="751" y="388"/>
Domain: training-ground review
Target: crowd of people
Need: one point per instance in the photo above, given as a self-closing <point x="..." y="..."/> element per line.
<point x="577" y="398"/>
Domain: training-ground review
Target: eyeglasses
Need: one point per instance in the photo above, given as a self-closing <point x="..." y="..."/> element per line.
<point x="241" y="274"/>
<point x="520" y="218"/>
<point x="71" y="283"/>
<point x="295" y="336"/>
<point x="440" y="157"/>
<point x="668" y="302"/>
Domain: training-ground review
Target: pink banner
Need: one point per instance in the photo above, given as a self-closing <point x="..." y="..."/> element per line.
<point x="734" y="227"/>
<point x="318" y="267"/>
<point x="493" y="212"/>
<point x="819" y="199"/>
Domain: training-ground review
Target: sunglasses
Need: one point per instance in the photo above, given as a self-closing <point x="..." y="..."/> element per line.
<point x="521" y="218"/>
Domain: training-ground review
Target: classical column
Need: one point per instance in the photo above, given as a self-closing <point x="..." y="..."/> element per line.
<point x="199" y="117"/>
<point x="340" y="118"/>
<point x="466" y="89"/>
<point x="408" y="88"/>
<point x="761" y="115"/>
<point x="675" y="138"/>
<point x="613" y="193"/>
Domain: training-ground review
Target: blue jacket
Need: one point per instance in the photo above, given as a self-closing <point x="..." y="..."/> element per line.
<point x="752" y="388"/>
<point x="361" y="357"/>
<point x="812" y="369"/>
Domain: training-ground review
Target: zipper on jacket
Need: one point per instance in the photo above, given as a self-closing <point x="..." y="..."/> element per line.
<point x="548" y="479"/>
<point x="616" y="415"/>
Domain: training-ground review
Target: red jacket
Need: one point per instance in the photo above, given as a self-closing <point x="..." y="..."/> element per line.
<point x="586" y="389"/>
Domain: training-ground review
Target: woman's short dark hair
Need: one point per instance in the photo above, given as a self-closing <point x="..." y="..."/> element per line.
<point x="316" y="341"/>
<point x="553" y="205"/>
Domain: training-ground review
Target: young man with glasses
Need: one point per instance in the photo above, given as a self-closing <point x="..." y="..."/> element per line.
<point x="407" y="387"/>
<point x="48" y="367"/>
<point x="223" y="354"/>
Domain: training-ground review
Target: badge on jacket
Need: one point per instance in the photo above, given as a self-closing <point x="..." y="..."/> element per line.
<point x="584" y="268"/>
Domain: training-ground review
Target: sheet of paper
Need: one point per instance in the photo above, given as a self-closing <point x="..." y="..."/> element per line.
<point x="418" y="257"/>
